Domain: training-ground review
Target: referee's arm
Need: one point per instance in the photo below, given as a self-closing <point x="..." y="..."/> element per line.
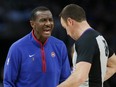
<point x="111" y="67"/>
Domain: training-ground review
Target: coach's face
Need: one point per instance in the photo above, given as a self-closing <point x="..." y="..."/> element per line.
<point x="43" y="25"/>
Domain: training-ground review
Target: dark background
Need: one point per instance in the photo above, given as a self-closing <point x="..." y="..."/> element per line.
<point x="14" y="20"/>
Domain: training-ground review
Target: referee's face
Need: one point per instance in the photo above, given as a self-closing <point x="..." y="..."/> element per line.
<point x="65" y="25"/>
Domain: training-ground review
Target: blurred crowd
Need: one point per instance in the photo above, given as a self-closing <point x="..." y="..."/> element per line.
<point x="14" y="21"/>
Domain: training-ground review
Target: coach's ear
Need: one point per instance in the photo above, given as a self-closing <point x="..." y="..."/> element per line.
<point x="32" y="23"/>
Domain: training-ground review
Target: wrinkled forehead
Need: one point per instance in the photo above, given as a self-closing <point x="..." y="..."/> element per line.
<point x="44" y="14"/>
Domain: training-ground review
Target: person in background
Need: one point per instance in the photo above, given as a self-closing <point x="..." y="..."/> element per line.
<point x="93" y="62"/>
<point x="37" y="59"/>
